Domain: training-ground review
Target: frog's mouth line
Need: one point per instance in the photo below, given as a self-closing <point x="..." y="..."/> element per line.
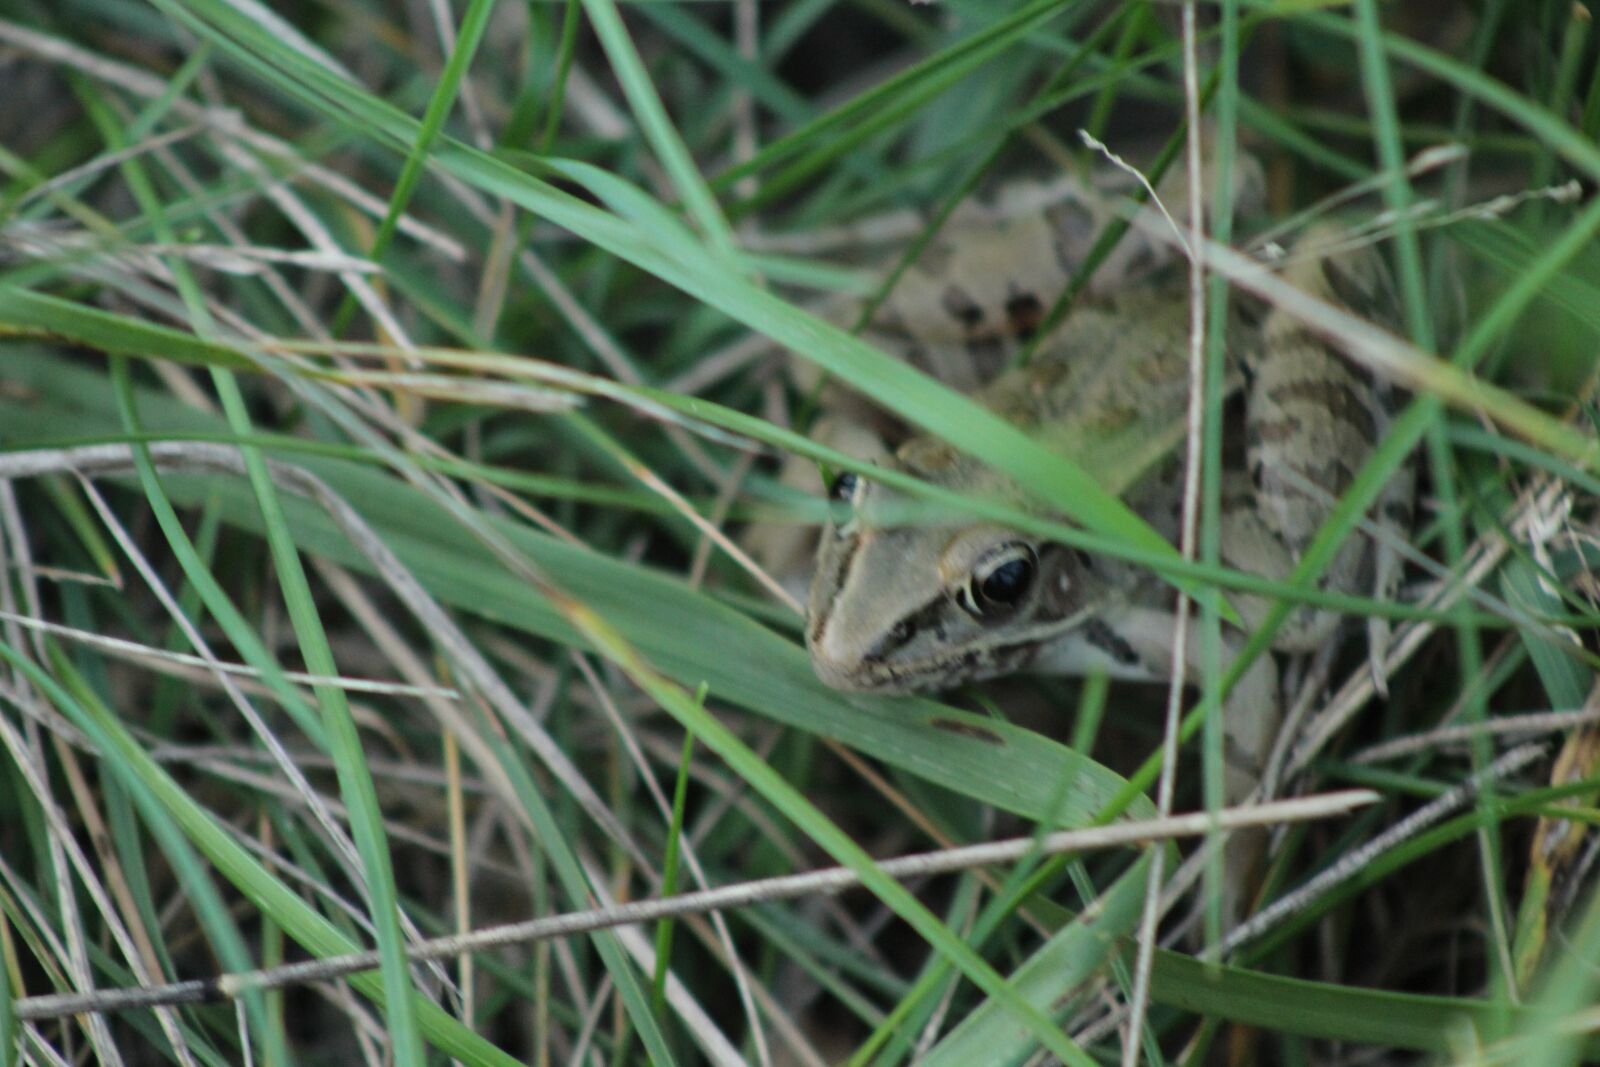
<point x="874" y="675"/>
<point x="925" y="676"/>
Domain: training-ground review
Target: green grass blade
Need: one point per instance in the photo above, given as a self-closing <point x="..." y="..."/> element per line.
<point x="988" y="1036"/>
<point x="439" y="107"/>
<point x="652" y="117"/>
<point x="355" y="778"/>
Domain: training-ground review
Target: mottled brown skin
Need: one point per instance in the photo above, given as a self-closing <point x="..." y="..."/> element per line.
<point x="901" y="608"/>
<point x="897" y="608"/>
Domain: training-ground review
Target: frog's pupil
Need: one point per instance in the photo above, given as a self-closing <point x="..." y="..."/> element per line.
<point x="1007" y="582"/>
<point x="843" y="487"/>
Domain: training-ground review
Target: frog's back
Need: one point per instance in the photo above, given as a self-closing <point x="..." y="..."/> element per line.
<point x="1110" y="387"/>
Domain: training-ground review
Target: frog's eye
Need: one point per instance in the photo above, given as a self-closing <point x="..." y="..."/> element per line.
<point x="842" y="490"/>
<point x="1001" y="579"/>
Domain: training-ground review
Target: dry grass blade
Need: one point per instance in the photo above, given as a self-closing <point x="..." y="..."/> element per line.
<point x="164" y="659"/>
<point x="1189" y="528"/>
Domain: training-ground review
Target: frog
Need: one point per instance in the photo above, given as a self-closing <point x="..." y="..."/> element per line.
<point x="927" y="606"/>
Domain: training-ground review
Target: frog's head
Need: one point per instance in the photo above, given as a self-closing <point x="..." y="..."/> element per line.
<point x="899" y="606"/>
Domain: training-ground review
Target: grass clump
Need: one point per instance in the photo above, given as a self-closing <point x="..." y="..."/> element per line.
<point x="384" y="391"/>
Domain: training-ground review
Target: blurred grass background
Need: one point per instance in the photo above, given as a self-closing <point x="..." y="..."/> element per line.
<point x="434" y="347"/>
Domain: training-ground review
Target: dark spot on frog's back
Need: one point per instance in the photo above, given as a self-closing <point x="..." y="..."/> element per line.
<point x="1024" y="313"/>
<point x="1337" y="396"/>
<point x="967" y="729"/>
<point x="962" y="307"/>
